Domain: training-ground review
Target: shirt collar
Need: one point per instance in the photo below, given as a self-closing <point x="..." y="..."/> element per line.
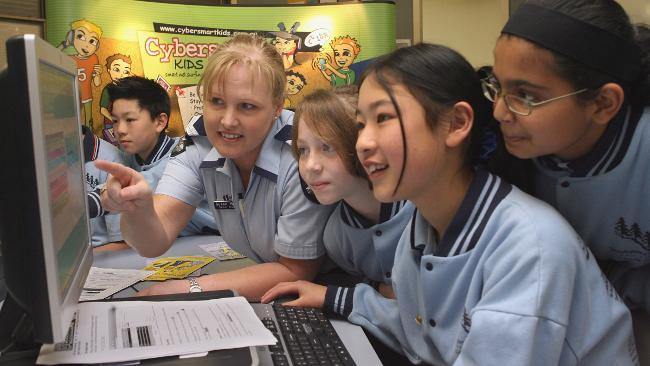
<point x="352" y="218"/>
<point x="160" y="150"/>
<point x="483" y="196"/>
<point x="608" y="151"/>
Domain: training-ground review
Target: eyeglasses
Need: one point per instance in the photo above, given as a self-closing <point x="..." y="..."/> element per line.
<point x="516" y="104"/>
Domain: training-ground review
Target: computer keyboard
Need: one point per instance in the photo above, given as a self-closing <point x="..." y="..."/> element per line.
<point x="308" y="337"/>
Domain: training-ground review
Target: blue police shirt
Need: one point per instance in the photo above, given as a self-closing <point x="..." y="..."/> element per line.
<point x="272" y="216"/>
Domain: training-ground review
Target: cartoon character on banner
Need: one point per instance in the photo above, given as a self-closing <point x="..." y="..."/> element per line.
<point x="336" y="68"/>
<point x="295" y="83"/>
<point x="118" y="66"/>
<point x="287" y="43"/>
<point x="84" y="37"/>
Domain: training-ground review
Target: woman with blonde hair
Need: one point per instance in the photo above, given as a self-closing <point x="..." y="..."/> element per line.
<point x="237" y="154"/>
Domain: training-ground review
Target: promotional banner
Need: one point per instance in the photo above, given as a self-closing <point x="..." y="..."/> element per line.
<point x="320" y="45"/>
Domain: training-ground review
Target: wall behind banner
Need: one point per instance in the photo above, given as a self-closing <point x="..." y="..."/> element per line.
<point x="321" y="45"/>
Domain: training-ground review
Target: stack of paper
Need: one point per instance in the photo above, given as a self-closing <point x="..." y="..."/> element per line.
<point x="135" y="330"/>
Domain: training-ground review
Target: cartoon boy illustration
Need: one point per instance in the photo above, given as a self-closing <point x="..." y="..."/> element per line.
<point x="84" y="37"/>
<point x="346" y="50"/>
<point x="287" y="43"/>
<point x="295" y="82"/>
<point x="118" y="66"/>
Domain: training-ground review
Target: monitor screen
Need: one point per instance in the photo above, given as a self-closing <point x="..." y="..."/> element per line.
<point x="45" y="232"/>
<point x="64" y="169"/>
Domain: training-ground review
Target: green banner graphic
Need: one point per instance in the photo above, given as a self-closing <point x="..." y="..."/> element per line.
<point x="321" y="45"/>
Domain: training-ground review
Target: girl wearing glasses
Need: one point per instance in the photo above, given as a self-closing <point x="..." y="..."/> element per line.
<point x="483" y="273"/>
<point x="571" y="93"/>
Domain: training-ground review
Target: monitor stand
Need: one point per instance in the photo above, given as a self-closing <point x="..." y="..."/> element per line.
<point x="16" y="338"/>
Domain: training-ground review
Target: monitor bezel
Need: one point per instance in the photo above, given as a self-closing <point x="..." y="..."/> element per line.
<point x="61" y="305"/>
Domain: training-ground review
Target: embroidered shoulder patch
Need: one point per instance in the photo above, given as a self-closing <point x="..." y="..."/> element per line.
<point x="181" y="146"/>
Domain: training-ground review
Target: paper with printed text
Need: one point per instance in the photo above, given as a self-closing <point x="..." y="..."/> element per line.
<point x="135" y="330"/>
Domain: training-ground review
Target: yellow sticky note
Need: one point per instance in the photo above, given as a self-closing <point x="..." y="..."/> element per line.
<point x="176" y="267"/>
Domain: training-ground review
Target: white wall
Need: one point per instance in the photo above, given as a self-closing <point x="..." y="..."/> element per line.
<point x="638" y="10"/>
<point x="468" y="26"/>
<point x="472" y="26"/>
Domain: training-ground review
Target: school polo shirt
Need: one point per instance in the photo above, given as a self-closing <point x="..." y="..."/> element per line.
<point x="362" y="248"/>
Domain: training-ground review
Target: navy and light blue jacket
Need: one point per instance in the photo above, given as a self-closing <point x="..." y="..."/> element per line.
<point x="102" y="228"/>
<point x="362" y="248"/>
<point x="272" y="217"/>
<point x="509" y="283"/>
<point x="605" y="195"/>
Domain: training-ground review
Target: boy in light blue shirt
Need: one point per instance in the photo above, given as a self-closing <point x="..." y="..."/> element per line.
<point x="140" y="111"/>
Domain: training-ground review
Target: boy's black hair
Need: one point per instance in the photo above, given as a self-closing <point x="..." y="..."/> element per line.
<point x="610" y="16"/>
<point x="149" y="94"/>
<point x="438" y="77"/>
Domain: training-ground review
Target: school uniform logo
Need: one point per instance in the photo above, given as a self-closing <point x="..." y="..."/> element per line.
<point x="632" y="232"/>
<point x="92" y="181"/>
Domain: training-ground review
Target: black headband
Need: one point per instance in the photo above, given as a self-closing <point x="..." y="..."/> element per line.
<point x="575" y="39"/>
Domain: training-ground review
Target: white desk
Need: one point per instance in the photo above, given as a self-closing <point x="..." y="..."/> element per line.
<point x="352" y="336"/>
<point x="129" y="259"/>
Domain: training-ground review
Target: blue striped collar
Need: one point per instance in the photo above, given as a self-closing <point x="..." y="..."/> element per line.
<point x="608" y="152"/>
<point x="163" y="146"/>
<point x="483" y="196"/>
<point x="354" y="219"/>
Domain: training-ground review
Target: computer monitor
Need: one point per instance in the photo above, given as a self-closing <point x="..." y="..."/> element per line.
<point x="46" y="246"/>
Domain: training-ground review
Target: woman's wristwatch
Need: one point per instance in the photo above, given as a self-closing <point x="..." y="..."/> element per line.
<point x="194" y="285"/>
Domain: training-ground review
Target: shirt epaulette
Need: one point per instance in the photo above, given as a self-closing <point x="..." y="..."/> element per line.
<point x="196" y="126"/>
<point x="182" y="145"/>
<point x="284" y="134"/>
